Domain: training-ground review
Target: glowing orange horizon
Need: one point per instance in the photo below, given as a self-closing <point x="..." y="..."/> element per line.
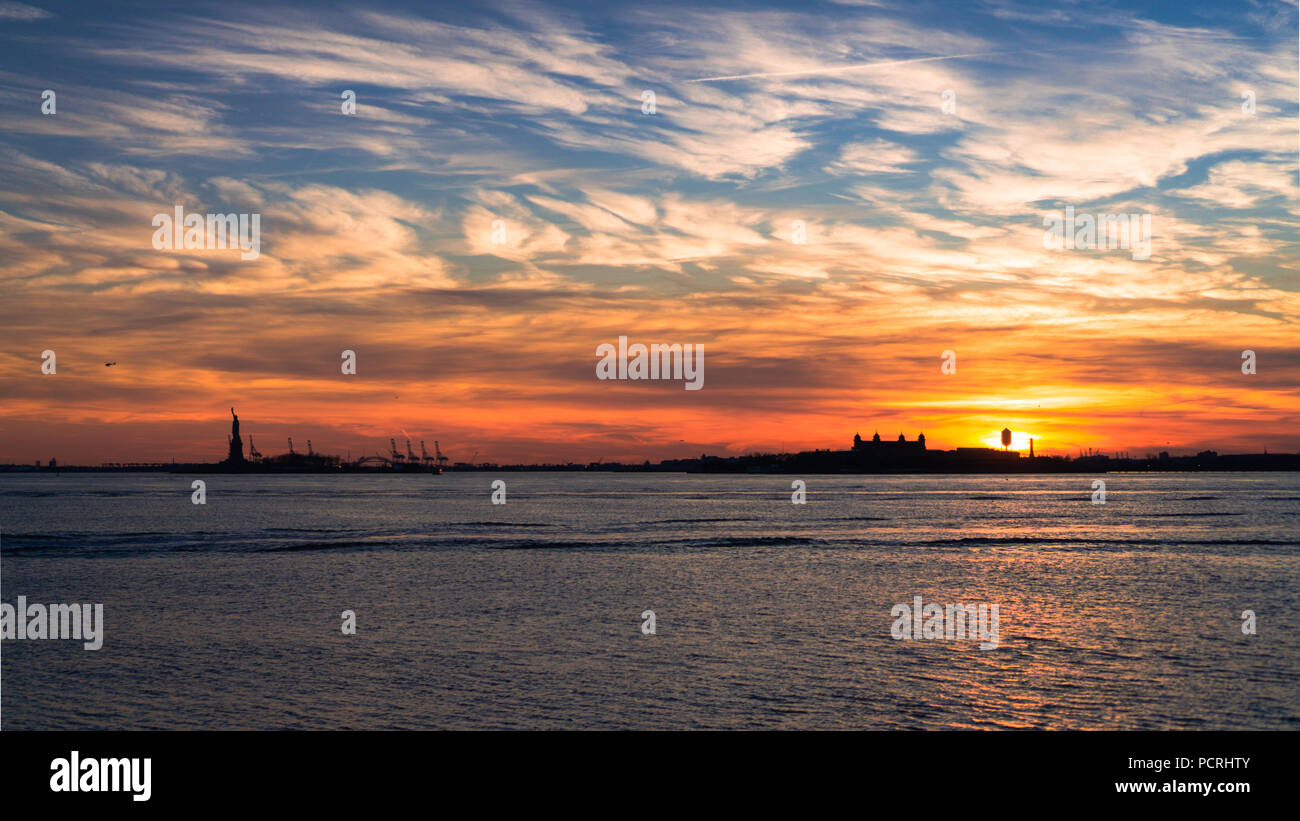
<point x="536" y="399"/>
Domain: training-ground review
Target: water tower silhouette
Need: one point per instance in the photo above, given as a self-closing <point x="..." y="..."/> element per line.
<point x="1006" y="437"/>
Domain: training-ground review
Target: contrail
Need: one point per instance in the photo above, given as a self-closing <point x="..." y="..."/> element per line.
<point x="838" y="69"/>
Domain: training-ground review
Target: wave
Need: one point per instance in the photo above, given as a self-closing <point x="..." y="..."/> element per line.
<point x="689" y="521"/>
<point x="343" y="544"/>
<point x="756" y="541"/>
<point x="121" y="546"/>
<point x="494" y="524"/>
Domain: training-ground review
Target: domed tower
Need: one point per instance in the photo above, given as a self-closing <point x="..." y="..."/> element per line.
<point x="920" y="440"/>
<point x="876" y="437"/>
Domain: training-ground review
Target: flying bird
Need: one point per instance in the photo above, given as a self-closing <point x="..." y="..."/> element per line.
<point x="109" y="364"/>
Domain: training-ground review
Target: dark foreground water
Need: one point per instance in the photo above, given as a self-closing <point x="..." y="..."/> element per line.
<point x="769" y="615"/>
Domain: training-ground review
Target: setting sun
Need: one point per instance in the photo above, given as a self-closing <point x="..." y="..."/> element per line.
<point x="1019" y="441"/>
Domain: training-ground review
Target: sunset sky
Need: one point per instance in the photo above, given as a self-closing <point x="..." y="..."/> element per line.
<point x="924" y="227"/>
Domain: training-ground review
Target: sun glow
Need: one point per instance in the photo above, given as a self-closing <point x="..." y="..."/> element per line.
<point x="1019" y="440"/>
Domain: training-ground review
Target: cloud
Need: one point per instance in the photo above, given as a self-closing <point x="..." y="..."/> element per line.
<point x="826" y="70"/>
<point x="923" y="228"/>
<point x="875" y="157"/>
<point x="21" y="12"/>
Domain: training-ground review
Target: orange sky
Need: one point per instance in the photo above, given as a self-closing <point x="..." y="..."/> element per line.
<point x="782" y="369"/>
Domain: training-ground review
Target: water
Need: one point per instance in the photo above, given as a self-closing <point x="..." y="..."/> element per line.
<point x="769" y="615"/>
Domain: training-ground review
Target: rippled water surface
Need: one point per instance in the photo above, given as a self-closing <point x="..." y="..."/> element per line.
<point x="769" y="614"/>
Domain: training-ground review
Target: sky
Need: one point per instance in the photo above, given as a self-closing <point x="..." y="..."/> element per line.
<point x="834" y="198"/>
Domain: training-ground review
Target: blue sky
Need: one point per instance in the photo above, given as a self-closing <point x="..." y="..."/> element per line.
<point x="923" y="225"/>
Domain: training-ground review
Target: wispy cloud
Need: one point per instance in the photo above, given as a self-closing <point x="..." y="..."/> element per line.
<point x="500" y="203"/>
<point x="826" y="70"/>
<point x="21" y="12"/>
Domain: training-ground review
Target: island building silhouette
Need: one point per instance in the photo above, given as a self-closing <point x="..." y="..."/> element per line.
<point x="875" y="455"/>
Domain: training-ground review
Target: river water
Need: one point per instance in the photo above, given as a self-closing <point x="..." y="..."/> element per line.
<point x="768" y="614"/>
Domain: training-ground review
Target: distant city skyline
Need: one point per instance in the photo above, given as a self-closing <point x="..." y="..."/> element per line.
<point x="829" y="198"/>
<point x="237" y="449"/>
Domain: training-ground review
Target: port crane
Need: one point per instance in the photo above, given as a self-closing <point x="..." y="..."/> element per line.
<point x="253" y="455"/>
<point x="442" y="460"/>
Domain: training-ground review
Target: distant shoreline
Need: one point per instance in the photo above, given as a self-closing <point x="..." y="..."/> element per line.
<point x="1291" y="464"/>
